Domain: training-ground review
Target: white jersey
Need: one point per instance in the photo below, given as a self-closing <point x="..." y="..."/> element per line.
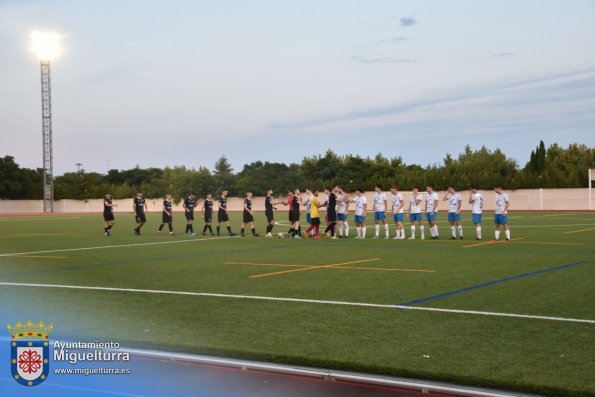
<point x="307" y="203"/>
<point x="453" y="201"/>
<point x="379" y="199"/>
<point x="360" y="202"/>
<point x="415" y="208"/>
<point x="501" y="200"/>
<point x="397" y="202"/>
<point x="476" y="203"/>
<point x="341" y="205"/>
<point x="431" y="200"/>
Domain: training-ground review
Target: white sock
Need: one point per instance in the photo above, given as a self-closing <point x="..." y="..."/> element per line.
<point x="435" y="227"/>
<point x="346" y="226"/>
<point x="422" y="230"/>
<point x="359" y="231"/>
<point x="497" y="235"/>
<point x="507" y="234"/>
<point x="453" y="231"/>
<point x="386" y="230"/>
<point x="377" y="230"/>
<point x="460" y="227"/>
<point x="340" y="228"/>
<point x="398" y="235"/>
<point x="364" y="231"/>
<point x="412" y="231"/>
<point x="478" y="231"/>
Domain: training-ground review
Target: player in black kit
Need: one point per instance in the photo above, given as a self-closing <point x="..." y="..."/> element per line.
<point x="268" y="211"/>
<point x="331" y="212"/>
<point x="207" y="207"/>
<point x="108" y="214"/>
<point x="139" y="206"/>
<point x="248" y="215"/>
<point x="167" y="215"/>
<point x="189" y="204"/>
<point x="222" y="215"/>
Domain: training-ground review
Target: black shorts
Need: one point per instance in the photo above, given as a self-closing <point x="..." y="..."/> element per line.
<point x="165" y="218"/>
<point x="269" y="216"/>
<point x="140" y="218"/>
<point x="248" y="218"/>
<point x="331" y="216"/>
<point x="208" y="217"/>
<point x="108" y="216"/>
<point x="189" y="215"/>
<point x="222" y="216"/>
<point x="294" y="216"/>
<point x="315" y="221"/>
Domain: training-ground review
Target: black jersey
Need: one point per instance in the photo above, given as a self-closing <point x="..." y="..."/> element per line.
<point x="107" y="207"/>
<point x="331" y="203"/>
<point x="222" y="204"/>
<point x="167" y="205"/>
<point x="295" y="205"/>
<point x="268" y="204"/>
<point x="190" y="203"/>
<point x="247" y="205"/>
<point x="139" y="205"/>
<point x="208" y="204"/>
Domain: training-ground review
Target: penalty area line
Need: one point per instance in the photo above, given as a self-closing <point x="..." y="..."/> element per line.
<point x="299" y="300"/>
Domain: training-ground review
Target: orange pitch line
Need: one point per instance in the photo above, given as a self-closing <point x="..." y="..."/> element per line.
<point x="302" y="269"/>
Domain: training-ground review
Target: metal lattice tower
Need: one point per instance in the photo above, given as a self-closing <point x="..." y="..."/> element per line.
<point x="46" y="119"/>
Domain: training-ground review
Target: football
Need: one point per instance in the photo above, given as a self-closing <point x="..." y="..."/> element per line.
<point x="281" y="235"/>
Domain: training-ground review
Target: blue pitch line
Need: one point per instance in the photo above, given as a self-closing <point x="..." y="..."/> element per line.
<point x="487" y="284"/>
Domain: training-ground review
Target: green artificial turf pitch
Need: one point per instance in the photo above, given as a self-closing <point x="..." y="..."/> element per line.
<point x="526" y="353"/>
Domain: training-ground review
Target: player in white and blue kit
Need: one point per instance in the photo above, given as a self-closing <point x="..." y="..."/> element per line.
<point x="432" y="211"/>
<point x="380" y="211"/>
<point x="476" y="201"/>
<point x="342" y="209"/>
<point x="361" y="206"/>
<point x="398" y="205"/>
<point x="501" y="213"/>
<point x="415" y="213"/>
<point x="454" y="212"/>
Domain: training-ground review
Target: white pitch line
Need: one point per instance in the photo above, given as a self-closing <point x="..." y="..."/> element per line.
<point x="114" y="246"/>
<point x="298" y="300"/>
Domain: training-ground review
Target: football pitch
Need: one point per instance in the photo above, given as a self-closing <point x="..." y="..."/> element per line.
<point x="517" y="316"/>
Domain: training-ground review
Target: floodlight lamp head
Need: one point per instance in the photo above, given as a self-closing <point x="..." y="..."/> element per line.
<point x="46" y="45"/>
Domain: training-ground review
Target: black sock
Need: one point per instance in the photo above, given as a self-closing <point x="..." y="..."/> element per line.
<point x="169" y="225"/>
<point x="191" y="229"/>
<point x="105" y="229"/>
<point x="253" y="231"/>
<point x="218" y="230"/>
<point x="242" y="231"/>
<point x="229" y="229"/>
<point x="204" y="229"/>
<point x="187" y="228"/>
<point x="161" y="227"/>
<point x="109" y="227"/>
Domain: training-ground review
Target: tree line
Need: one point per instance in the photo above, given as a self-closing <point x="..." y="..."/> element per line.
<point x="554" y="167"/>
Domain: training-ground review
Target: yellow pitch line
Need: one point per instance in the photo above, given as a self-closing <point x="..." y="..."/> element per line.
<point x="40" y="256"/>
<point x="490" y="242"/>
<point x="580" y="231"/>
<point x="386" y="269"/>
<point x="312" y="268"/>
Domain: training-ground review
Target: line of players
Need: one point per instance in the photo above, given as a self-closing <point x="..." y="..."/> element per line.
<point x="337" y="208"/>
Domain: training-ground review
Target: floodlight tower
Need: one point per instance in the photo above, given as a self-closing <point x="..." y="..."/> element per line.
<point x="46" y="46"/>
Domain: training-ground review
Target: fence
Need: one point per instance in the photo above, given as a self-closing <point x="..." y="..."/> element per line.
<point x="520" y="200"/>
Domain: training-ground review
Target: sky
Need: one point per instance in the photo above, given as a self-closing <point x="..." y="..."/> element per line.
<point x="164" y="83"/>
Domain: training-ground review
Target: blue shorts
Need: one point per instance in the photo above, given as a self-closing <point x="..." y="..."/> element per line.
<point x="308" y="217"/>
<point x="430" y="217"/>
<point x="414" y="217"/>
<point x="476" y="218"/>
<point x="454" y="217"/>
<point x="360" y="219"/>
<point x="379" y="216"/>
<point x="342" y="217"/>
<point x="501" y="219"/>
<point x="398" y="217"/>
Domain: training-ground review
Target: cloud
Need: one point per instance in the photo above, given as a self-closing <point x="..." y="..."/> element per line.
<point x="406" y="22"/>
<point x="369" y="60"/>
<point x="502" y="55"/>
